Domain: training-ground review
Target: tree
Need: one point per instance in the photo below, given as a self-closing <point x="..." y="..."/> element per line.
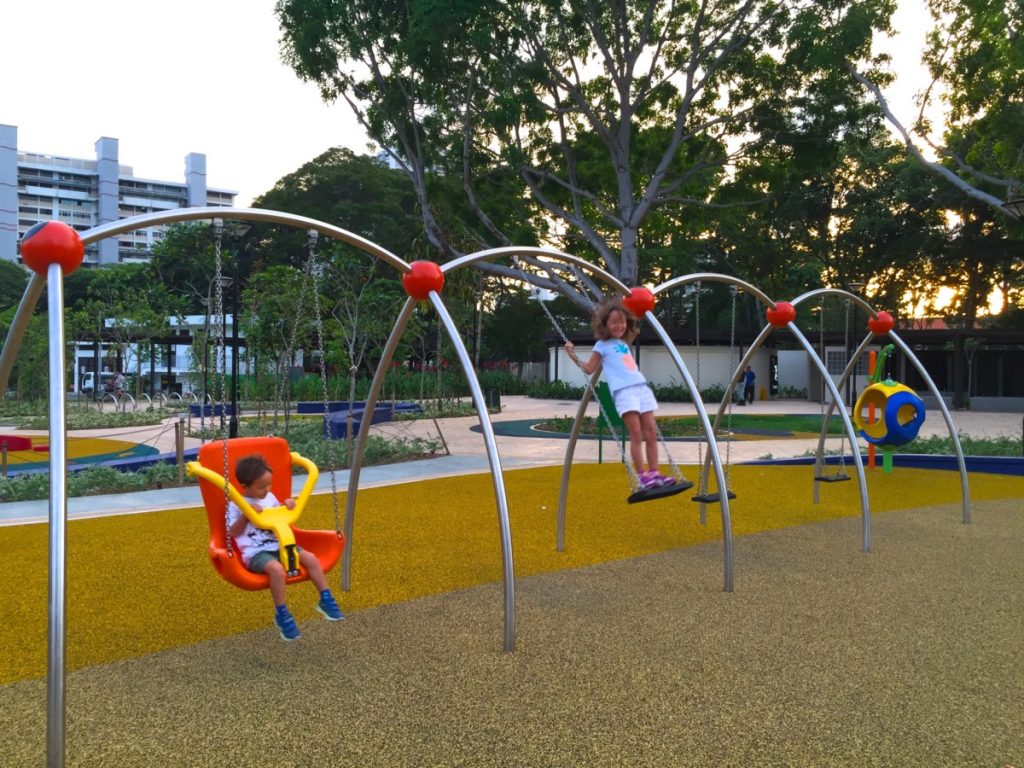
<point x="975" y="55"/>
<point x="274" y="326"/>
<point x="596" y="123"/>
<point x="126" y="308"/>
<point x="13" y="280"/>
<point x="354" y="192"/>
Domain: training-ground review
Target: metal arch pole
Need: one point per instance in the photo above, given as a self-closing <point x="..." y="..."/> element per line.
<point x="835" y="292"/>
<point x="715" y="277"/>
<point x="568" y="258"/>
<point x="712" y="445"/>
<point x="851" y="366"/>
<point x="19" y="323"/>
<point x="758" y="343"/>
<point x="243" y="214"/>
<point x="865" y="514"/>
<point x="819" y="456"/>
<point x="570" y="450"/>
<point x="964" y="486"/>
<point x="508" y="567"/>
<point x="57" y="632"/>
<point x="364" y="431"/>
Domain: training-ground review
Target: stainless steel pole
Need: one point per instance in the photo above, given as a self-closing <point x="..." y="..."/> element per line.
<point x="58" y="522"/>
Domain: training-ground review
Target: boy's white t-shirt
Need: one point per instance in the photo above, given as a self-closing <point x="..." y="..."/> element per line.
<point x="618" y="365"/>
<point x="254" y="539"/>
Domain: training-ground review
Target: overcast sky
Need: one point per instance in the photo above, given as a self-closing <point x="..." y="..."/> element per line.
<point x="166" y="79"/>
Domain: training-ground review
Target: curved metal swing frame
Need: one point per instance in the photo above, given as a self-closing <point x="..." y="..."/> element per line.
<point x="851" y="366"/>
<point x="58" y="433"/>
<point x="748" y="357"/>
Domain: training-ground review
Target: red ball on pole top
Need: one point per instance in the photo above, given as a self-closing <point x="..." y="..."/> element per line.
<point x="881" y="324"/>
<point x="422" y="278"/>
<point x="52" y="242"/>
<point x="639" y="302"/>
<point x="782" y="315"/>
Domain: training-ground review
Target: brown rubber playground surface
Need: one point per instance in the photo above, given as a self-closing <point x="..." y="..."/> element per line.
<point x="628" y="650"/>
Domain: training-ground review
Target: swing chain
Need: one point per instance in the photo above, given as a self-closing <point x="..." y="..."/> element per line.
<point x="634" y="477"/>
<point x="220" y="361"/>
<point x="282" y="389"/>
<point x="846" y="351"/>
<point x="702" y="487"/>
<point x="733" y="360"/>
<point x="315" y="271"/>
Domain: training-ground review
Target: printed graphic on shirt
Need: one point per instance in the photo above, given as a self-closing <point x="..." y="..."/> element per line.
<point x="627" y="359"/>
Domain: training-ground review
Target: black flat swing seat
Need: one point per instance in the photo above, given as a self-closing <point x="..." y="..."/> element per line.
<point x="711" y="498"/>
<point x="660" y="492"/>
<point x="836" y="478"/>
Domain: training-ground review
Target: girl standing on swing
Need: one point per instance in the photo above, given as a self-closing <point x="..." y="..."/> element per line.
<point x="615" y="329"/>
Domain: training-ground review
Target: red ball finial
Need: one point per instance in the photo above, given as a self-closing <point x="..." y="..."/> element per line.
<point x="639" y="302"/>
<point x="782" y="315"/>
<point x="422" y="278"/>
<point x="881" y="324"/>
<point x="52" y="242"/>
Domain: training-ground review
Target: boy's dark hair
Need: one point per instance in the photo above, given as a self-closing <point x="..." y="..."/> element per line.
<point x="251" y="468"/>
<point x="600" y="322"/>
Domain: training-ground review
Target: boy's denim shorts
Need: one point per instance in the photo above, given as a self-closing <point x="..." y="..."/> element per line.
<point x="259" y="561"/>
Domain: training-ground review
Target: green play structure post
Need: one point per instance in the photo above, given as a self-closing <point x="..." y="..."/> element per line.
<point x="614" y="423"/>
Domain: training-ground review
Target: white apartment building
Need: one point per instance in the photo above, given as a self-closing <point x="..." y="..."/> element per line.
<point x="172" y="364"/>
<point x="85" y="193"/>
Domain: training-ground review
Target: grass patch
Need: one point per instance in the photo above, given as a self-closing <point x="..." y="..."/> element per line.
<point x="689" y="426"/>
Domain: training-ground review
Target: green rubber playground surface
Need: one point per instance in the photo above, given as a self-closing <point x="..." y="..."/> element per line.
<point x="740" y="427"/>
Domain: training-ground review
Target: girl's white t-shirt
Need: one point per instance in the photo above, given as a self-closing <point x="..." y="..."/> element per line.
<point x="617" y="364"/>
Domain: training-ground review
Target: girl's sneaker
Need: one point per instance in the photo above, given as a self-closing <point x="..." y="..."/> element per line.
<point x="649" y="479"/>
<point x="666" y="480"/>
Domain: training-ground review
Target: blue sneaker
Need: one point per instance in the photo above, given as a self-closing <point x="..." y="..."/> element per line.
<point x="329" y="608"/>
<point x="286" y="625"/>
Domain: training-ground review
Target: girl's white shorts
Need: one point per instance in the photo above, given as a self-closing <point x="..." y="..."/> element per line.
<point x="635" y="398"/>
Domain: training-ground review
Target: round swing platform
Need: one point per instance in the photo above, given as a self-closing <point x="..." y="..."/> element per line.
<point x="661" y="492"/>
<point x="711" y="498"/>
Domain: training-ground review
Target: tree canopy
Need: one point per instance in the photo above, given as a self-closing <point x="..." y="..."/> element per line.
<point x="605" y="126"/>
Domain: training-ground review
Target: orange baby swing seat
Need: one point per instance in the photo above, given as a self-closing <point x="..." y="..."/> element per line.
<point x="326" y="545"/>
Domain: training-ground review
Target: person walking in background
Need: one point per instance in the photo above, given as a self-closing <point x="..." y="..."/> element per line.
<point x="748" y="385"/>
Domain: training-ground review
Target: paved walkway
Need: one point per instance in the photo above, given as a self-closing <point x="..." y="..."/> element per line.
<point x="467" y="452"/>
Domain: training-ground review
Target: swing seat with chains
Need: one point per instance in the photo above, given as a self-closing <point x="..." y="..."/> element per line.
<point x="215" y="469"/>
<point x="326" y="545"/>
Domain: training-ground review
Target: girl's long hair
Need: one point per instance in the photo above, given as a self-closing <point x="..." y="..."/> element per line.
<point x="600" y="321"/>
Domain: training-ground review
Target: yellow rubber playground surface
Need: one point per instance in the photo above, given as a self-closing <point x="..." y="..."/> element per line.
<point x="628" y="653"/>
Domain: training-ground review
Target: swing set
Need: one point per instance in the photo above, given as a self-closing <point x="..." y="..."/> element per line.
<point x="216" y="461"/>
<point x="53" y="249"/>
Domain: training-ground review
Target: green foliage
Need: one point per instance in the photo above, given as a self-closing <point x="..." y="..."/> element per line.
<point x="614" y="162"/>
<point x="553" y="390"/>
<point x="85" y="417"/>
<point x="971" y="446"/>
<point x="13" y="280"/>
